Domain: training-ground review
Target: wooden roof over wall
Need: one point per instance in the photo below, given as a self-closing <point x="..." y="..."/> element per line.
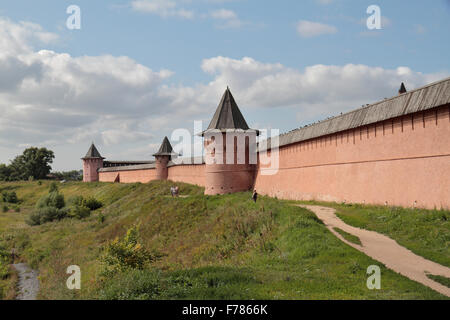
<point x="421" y="99"/>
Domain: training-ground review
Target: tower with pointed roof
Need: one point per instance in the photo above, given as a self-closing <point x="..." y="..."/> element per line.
<point x="230" y="150"/>
<point x="163" y="156"/>
<point x="92" y="162"/>
<point x="402" y="89"/>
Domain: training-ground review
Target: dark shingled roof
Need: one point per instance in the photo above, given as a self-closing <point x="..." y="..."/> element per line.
<point x="228" y="115"/>
<point x="165" y="149"/>
<point x="92" y="153"/>
<point x="402" y="88"/>
<point x="421" y="99"/>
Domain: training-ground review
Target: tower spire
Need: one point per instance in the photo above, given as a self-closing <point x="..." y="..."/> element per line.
<point x="92" y="153"/>
<point x="228" y="115"/>
<point x="402" y="89"/>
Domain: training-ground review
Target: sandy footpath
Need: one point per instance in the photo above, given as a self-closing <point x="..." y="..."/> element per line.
<point x="386" y="250"/>
<point x="28" y="282"/>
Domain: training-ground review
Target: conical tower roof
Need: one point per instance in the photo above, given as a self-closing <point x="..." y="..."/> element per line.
<point x="93" y="153"/>
<point x="228" y="115"/>
<point x="165" y="149"/>
<point x="402" y="88"/>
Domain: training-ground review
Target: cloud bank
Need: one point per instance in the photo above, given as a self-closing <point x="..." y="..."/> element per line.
<point x="53" y="99"/>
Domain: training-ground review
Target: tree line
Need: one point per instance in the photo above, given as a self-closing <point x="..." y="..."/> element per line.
<point x="34" y="164"/>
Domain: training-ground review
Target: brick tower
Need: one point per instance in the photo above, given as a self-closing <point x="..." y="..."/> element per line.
<point x="163" y="156"/>
<point x="92" y="161"/>
<point x="230" y="150"/>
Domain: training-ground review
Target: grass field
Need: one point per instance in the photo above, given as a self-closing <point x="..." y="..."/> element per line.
<point x="211" y="247"/>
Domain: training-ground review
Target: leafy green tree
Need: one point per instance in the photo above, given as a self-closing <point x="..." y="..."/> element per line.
<point x="34" y="162"/>
<point x="5" y="172"/>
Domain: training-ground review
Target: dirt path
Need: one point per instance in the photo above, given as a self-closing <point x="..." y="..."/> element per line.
<point x="386" y="250"/>
<point x="28" y="282"/>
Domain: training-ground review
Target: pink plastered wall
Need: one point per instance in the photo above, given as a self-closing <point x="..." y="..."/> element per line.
<point x="129" y="176"/>
<point x="403" y="161"/>
<point x="193" y="174"/>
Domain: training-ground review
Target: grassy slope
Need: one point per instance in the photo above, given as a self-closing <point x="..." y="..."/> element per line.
<point x="425" y="232"/>
<point x="220" y="247"/>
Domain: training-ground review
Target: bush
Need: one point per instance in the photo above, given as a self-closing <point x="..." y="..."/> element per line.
<point x="10" y="197"/>
<point x="5" y="208"/>
<point x="76" y="201"/>
<point x="53" y="199"/>
<point x="125" y="254"/>
<point x="92" y="204"/>
<point x="53" y="187"/>
<point x="46" y="214"/>
<point x="80" y="212"/>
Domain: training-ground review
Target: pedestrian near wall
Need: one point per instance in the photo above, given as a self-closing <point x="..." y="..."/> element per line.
<point x="255" y="196"/>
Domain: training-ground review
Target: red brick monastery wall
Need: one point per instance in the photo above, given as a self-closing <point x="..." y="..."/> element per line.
<point x="193" y="174"/>
<point x="403" y="161"/>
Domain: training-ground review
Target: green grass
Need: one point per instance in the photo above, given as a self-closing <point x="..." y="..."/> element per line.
<point x="213" y="247"/>
<point x="424" y="232"/>
<point x="442" y="280"/>
<point x="349" y="237"/>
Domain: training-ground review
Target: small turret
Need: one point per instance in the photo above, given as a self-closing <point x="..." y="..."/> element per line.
<point x="402" y="89"/>
<point x="92" y="162"/>
<point x="163" y="156"/>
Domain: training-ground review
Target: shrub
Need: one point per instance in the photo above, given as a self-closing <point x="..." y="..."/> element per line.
<point x="5" y="208"/>
<point x="53" y="199"/>
<point x="80" y="212"/>
<point x="39" y="183"/>
<point x="125" y="254"/>
<point x="92" y="204"/>
<point x="10" y="197"/>
<point x="17" y="209"/>
<point x="46" y="214"/>
<point x="76" y="201"/>
<point x="53" y="187"/>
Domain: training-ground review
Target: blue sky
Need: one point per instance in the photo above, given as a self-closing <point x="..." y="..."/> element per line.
<point x="288" y="63"/>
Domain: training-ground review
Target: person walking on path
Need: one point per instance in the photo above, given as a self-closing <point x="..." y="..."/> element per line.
<point x="255" y="196"/>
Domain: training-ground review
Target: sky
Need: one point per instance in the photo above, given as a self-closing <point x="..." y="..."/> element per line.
<point x="137" y="70"/>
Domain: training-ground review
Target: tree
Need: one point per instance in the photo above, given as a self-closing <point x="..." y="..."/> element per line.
<point x="34" y="162"/>
<point x="5" y="172"/>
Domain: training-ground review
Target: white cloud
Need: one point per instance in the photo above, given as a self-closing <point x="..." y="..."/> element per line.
<point x="59" y="101"/>
<point x="224" y="14"/>
<point x="163" y="8"/>
<point x="319" y="90"/>
<point x="228" y="18"/>
<point x="308" y="29"/>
